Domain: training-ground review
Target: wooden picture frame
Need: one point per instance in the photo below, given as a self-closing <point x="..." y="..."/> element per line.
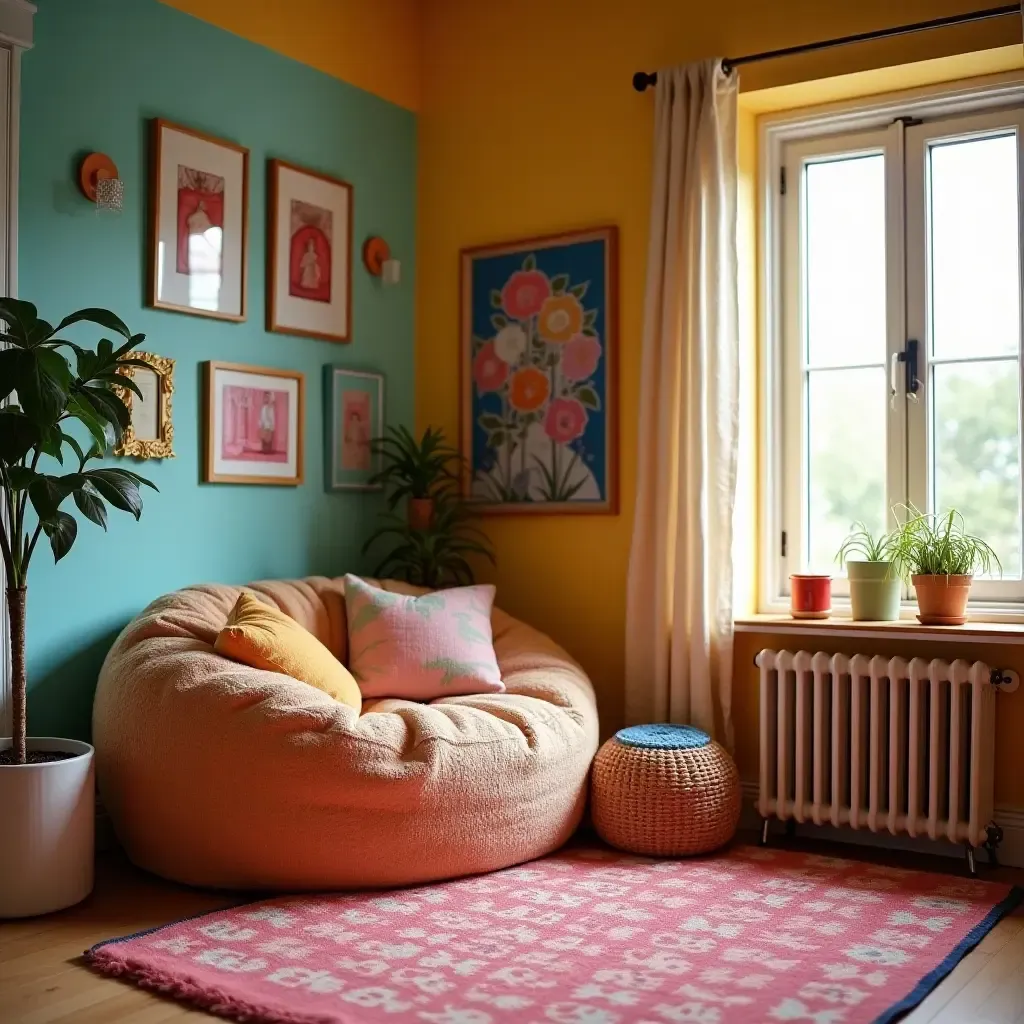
<point x="538" y="374"/>
<point x="309" y="253"/>
<point x="253" y="419"/>
<point x="353" y="417"/>
<point x="157" y="428"/>
<point x="198" y="184"/>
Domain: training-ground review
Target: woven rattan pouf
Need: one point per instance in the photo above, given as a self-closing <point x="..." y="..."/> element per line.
<point x="664" y="790"/>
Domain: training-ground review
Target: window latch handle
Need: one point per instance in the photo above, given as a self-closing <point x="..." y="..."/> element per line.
<point x="909" y="358"/>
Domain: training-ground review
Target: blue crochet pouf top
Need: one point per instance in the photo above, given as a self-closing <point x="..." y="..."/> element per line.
<point x="663" y="737"/>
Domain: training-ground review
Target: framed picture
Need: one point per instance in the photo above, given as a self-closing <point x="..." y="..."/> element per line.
<point x="354" y="417"/>
<point x="254" y="422"/>
<point x="198" y="221"/>
<point x="538" y="424"/>
<point x="309" y="262"/>
<point x="151" y="432"/>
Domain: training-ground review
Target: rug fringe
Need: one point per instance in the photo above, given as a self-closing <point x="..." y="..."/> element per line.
<point x="108" y="963"/>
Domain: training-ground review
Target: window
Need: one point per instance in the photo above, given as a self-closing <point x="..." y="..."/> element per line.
<point x="894" y="332"/>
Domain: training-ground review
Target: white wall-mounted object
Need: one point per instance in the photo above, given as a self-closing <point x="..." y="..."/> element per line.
<point x="881" y="743"/>
<point x="391" y="272"/>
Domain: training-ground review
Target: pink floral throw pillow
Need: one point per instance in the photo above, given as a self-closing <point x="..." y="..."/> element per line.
<point x="419" y="648"/>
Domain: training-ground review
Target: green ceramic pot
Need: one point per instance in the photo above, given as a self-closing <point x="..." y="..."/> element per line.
<point x="874" y="591"/>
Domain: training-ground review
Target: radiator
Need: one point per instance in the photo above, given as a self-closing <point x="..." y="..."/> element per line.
<point x="879" y="743"/>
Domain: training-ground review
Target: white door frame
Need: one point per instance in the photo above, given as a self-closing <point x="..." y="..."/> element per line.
<point x="15" y="36"/>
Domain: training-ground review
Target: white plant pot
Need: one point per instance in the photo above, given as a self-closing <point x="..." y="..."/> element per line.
<point x="47" y="844"/>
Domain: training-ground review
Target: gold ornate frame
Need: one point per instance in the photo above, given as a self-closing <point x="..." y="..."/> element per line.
<point x="162" y="447"/>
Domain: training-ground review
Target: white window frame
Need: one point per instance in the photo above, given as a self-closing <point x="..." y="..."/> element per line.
<point x="15" y="36"/>
<point x="806" y="131"/>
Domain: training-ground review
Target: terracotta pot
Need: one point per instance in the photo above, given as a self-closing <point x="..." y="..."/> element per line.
<point x="421" y="513"/>
<point x="942" y="600"/>
<point x="810" y="596"/>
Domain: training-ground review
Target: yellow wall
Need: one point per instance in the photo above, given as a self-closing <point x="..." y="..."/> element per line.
<point x="373" y="44"/>
<point x="529" y="126"/>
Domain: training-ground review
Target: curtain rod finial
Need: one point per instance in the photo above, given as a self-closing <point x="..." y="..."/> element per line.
<point x="643" y="79"/>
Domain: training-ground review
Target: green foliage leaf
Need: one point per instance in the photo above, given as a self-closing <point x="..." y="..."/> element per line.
<point x="119" y="487"/>
<point x="41" y="383"/>
<point x="108" y="406"/>
<point x="559" y="283"/>
<point x="21" y="316"/>
<point x="499" y="321"/>
<point x="589" y="398"/>
<point x="20" y="477"/>
<point x="102" y="430"/>
<point x="590" y="318"/>
<point x="580" y="290"/>
<point x="46" y="494"/>
<point x="18" y="434"/>
<point x="495" y="298"/>
<point x="530" y="263"/>
<point x="52" y="442"/>
<point x="102" y="317"/>
<point x="10" y="361"/>
<point x="90" y="504"/>
<point x="62" y="531"/>
<point x="490" y="421"/>
<point x="75" y="446"/>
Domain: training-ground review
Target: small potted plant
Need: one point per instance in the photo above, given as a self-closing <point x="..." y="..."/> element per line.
<point x="875" y="582"/>
<point x="436" y="535"/>
<point x="419" y="471"/>
<point x="46" y="784"/>
<point x="433" y="556"/>
<point x="937" y="554"/>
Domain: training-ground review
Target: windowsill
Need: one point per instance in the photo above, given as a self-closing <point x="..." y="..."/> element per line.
<point x="911" y="629"/>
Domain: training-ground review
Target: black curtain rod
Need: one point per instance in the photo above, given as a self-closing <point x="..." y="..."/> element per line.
<point x="643" y="79"/>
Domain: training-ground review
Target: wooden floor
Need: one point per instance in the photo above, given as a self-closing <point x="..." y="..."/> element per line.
<point x="42" y="980"/>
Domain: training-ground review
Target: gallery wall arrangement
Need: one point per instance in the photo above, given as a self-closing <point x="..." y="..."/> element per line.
<point x="187" y="259"/>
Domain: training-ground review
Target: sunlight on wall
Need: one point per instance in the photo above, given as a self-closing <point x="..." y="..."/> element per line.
<point x="518" y="154"/>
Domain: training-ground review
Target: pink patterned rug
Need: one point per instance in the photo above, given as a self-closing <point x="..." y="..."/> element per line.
<point x="587" y="936"/>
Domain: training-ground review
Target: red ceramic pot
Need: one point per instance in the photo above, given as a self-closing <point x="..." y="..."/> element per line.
<point x="810" y="596"/>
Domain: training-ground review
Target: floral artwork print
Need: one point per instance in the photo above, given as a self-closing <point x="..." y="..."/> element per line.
<point x="538" y="417"/>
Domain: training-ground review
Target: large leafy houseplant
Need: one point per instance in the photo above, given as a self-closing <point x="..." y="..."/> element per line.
<point x="73" y="415"/>
<point x="433" y="540"/>
<point x="935" y="552"/>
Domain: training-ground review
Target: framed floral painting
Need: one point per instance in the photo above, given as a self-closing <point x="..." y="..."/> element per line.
<point x="198" y="220"/>
<point x="539" y="426"/>
<point x="355" y="416"/>
<point x="254" y="419"/>
<point x="309" y="261"/>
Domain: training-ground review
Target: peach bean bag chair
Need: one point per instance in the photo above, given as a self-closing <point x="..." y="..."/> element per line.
<point x="221" y="775"/>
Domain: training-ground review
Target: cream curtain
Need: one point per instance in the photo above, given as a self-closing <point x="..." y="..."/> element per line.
<point x="680" y="586"/>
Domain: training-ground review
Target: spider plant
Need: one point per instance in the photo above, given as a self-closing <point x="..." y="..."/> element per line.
<point x="415" y="469"/>
<point x="865" y="545"/>
<point x="434" y="556"/>
<point x="874" y="582"/>
<point x="938" y="544"/>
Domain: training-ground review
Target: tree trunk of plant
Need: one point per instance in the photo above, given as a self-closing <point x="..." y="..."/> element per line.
<point x="16" y="610"/>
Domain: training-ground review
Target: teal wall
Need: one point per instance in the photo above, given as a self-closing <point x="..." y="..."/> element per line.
<point x="99" y="70"/>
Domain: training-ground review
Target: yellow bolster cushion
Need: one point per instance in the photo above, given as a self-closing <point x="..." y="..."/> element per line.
<point x="262" y="636"/>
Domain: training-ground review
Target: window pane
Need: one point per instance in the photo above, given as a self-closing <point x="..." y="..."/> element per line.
<point x="977" y="452"/>
<point x="974" y="228"/>
<point x="845" y="245"/>
<point x="846" y="459"/>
